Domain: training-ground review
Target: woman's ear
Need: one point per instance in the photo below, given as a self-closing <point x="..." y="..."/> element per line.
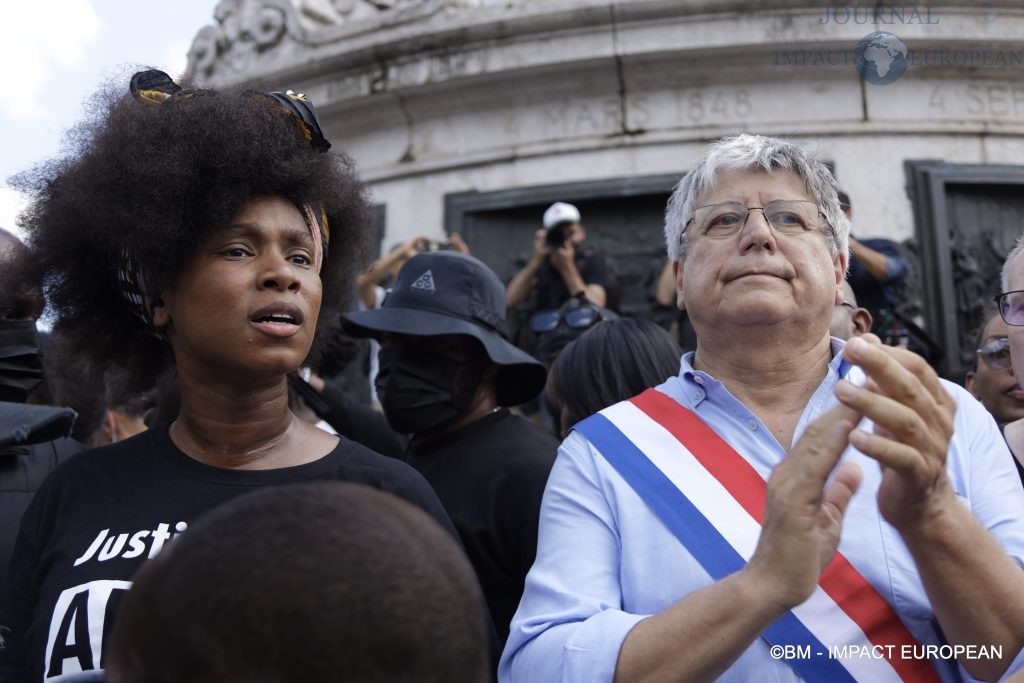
<point x="161" y="312"/>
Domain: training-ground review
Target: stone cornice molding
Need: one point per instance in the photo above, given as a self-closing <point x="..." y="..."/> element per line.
<point x="390" y="44"/>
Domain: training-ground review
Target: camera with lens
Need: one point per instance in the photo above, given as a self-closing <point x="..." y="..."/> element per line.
<point x="433" y="245"/>
<point x="555" y="237"/>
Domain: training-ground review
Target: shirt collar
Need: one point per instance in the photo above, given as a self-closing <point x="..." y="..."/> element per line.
<point x="698" y="384"/>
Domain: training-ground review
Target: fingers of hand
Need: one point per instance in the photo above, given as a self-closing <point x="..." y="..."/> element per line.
<point x="896" y="455"/>
<point x="925" y="430"/>
<point x="824" y="440"/>
<point x="900" y="374"/>
<point x="841" y="490"/>
<point x="837" y="497"/>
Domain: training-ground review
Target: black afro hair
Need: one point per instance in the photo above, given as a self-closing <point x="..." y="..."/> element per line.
<point x="154" y="180"/>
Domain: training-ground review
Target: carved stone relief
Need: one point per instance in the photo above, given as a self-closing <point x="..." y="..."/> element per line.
<point x="247" y="28"/>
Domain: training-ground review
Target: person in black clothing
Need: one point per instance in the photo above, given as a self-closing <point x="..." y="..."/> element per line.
<point x="211" y="230"/>
<point x="563" y="265"/>
<point x="373" y="590"/>
<point x="34" y="439"/>
<point x="877" y="268"/>
<point x="446" y="371"/>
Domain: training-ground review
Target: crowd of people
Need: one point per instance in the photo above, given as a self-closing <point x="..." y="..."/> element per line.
<point x="190" y="493"/>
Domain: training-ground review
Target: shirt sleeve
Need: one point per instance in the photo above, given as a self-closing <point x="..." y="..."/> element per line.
<point x="595" y="270"/>
<point x="984" y="474"/>
<point x="895" y="264"/>
<point x="17" y="603"/>
<point x="570" y="624"/>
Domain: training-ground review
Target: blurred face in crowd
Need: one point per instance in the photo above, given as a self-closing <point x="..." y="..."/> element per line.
<point x="575" y="233"/>
<point x="993" y="381"/>
<point x="758" y="276"/>
<point x="247" y="303"/>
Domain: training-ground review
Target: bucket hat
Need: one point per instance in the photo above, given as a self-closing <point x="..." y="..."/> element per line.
<point x="445" y="292"/>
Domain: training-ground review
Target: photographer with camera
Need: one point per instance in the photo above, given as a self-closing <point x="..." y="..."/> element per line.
<point x="562" y="266"/>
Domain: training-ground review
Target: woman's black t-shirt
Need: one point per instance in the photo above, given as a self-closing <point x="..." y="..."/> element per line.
<point x="100" y="515"/>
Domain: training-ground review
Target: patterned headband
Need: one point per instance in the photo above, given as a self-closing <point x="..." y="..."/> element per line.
<point x="157" y="88"/>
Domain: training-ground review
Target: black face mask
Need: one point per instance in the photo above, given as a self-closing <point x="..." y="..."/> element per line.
<point x="21" y="370"/>
<point x="416" y="389"/>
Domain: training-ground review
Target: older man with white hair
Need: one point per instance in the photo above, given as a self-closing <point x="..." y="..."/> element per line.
<point x="1011" y="308"/>
<point x="786" y="508"/>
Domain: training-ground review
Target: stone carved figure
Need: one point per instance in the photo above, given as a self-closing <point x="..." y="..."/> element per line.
<point x="246" y="28"/>
<point x="972" y="292"/>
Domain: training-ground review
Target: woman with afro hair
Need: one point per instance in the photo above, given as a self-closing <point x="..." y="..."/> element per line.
<point x="216" y="232"/>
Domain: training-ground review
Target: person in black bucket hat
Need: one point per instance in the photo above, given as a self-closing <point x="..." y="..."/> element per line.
<point x="446" y="370"/>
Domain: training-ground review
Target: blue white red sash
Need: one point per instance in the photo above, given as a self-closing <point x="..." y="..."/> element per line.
<point x="713" y="501"/>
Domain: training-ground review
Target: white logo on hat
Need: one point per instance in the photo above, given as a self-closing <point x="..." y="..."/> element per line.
<point x="424" y="282"/>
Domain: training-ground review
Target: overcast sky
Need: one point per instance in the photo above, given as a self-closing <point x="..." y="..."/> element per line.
<point x="55" y="53"/>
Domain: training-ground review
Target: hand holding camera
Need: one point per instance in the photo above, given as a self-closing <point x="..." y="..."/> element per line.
<point x="563" y="258"/>
<point x="425" y="244"/>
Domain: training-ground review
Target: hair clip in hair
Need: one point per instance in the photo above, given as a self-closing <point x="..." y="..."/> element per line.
<point x="153" y="86"/>
<point x="302" y="111"/>
<point x="136" y="293"/>
<point x="324" y="226"/>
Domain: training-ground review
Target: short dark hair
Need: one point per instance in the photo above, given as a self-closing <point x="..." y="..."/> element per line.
<point x="308" y="582"/>
<point x="121" y="394"/>
<point x="610" y="362"/>
<point x="153" y="181"/>
<point x="67" y="382"/>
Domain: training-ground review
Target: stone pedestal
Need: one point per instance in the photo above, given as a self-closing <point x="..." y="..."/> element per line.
<point x="436" y="97"/>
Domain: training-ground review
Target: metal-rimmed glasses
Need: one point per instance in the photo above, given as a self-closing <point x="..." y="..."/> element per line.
<point x="1011" y="307"/>
<point x="995" y="353"/>
<point x="784" y="216"/>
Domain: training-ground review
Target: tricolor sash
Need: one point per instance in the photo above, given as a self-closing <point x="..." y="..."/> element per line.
<point x="713" y="501"/>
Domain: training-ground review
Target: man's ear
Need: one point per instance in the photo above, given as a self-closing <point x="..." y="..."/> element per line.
<point x="109" y="426"/>
<point x="861" y="320"/>
<point x="969" y="384"/>
<point x="839" y="265"/>
<point x="677" y="275"/>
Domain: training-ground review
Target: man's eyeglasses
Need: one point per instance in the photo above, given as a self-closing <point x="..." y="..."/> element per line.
<point x="575" y="318"/>
<point x="1011" y="307"/>
<point x="996" y="353"/>
<point x="786" y="217"/>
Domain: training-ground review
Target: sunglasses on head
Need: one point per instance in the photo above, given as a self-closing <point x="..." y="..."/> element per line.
<point x="995" y="353"/>
<point x="575" y="318"/>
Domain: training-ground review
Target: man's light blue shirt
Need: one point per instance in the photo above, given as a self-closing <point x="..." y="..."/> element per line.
<point x="605" y="562"/>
